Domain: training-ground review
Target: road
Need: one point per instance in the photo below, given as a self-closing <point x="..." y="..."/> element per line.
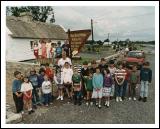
<point x="126" y="112"/>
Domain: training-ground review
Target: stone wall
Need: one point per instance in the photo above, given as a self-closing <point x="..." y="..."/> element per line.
<point x="10" y="68"/>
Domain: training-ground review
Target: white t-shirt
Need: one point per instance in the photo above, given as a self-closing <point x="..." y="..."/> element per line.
<point x="46" y="87"/>
<point x="61" y="62"/>
<point x="67" y="75"/>
<point x="112" y="70"/>
<point x="26" y="87"/>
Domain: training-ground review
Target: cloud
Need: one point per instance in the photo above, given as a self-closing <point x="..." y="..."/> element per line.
<point x="136" y="22"/>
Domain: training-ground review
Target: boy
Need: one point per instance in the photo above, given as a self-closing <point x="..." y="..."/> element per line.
<point x="67" y="74"/>
<point x="133" y="81"/>
<point x="59" y="50"/>
<point x="119" y="81"/>
<point x="97" y="87"/>
<point x="84" y="74"/>
<point x="103" y="66"/>
<point x="93" y="66"/>
<point x="17" y="94"/>
<point x="76" y="79"/>
<point x="145" y="78"/>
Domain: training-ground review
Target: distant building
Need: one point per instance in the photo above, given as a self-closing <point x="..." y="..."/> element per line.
<point x="22" y="31"/>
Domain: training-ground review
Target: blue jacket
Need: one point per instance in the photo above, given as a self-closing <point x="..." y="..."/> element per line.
<point x="146" y="74"/>
<point x="16" y="85"/>
<point x="97" y="80"/>
<point x="34" y="80"/>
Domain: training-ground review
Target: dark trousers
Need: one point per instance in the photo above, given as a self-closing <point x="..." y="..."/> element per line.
<point x="84" y="92"/>
<point x="47" y="98"/>
<point x="132" y="90"/>
<point x="125" y="84"/>
<point x="18" y="103"/>
<point x="77" y="97"/>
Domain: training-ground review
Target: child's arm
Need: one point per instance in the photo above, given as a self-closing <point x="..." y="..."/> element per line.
<point x="150" y="76"/>
<point x="101" y="83"/>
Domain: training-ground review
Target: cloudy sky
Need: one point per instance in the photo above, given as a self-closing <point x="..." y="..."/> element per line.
<point x="133" y="22"/>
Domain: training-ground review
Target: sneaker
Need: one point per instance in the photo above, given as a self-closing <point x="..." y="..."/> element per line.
<point x="59" y="97"/>
<point x="134" y="98"/>
<point x="51" y="103"/>
<point x="106" y="103"/>
<point x="39" y="104"/>
<point x="32" y="111"/>
<point x="46" y="105"/>
<point x="91" y="103"/>
<point x="87" y="103"/>
<point x="117" y="100"/>
<point x="99" y="106"/>
<point x="96" y="104"/>
<point x="120" y="99"/>
<point x="140" y="98"/>
<point x="145" y="99"/>
<point x="129" y="98"/>
<point x="22" y="112"/>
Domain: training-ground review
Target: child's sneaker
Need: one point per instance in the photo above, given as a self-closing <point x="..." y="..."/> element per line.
<point x="117" y="100"/>
<point x="129" y="98"/>
<point x="87" y="103"/>
<point x="145" y="99"/>
<point x="106" y="103"/>
<point x="96" y="104"/>
<point x="99" y="106"/>
<point x="51" y="103"/>
<point x="32" y="111"/>
<point x="91" y="103"/>
<point x="140" y="98"/>
<point x="59" y="97"/>
<point x="134" y="98"/>
<point x="46" y="105"/>
<point x="120" y="99"/>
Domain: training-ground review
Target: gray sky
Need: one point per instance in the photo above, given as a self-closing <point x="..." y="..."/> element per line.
<point x="133" y="22"/>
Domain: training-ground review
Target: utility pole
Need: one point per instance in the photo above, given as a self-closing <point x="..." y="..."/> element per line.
<point x="92" y="30"/>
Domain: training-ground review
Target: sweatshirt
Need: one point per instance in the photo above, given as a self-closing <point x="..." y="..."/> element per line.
<point x="97" y="80"/>
<point x="146" y="74"/>
<point x="16" y="86"/>
<point x="46" y="87"/>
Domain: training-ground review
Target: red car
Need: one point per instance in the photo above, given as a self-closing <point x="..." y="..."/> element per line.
<point x="135" y="57"/>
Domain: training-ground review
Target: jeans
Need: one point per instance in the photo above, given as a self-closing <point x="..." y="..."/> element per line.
<point x="35" y="96"/>
<point x="125" y="85"/>
<point x="119" y="90"/>
<point x="144" y="89"/>
<point x="47" y="98"/>
<point x="112" y="90"/>
<point x="77" y="96"/>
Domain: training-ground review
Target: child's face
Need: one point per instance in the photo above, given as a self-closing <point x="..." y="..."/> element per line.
<point x="103" y="62"/>
<point x="18" y="76"/>
<point x="94" y="65"/>
<point x="76" y="71"/>
<point x="90" y="75"/>
<point x="85" y="66"/>
<point x="120" y="66"/>
<point x="66" y="65"/>
<point x="97" y="71"/>
<point x="45" y="78"/>
<point x="26" y="80"/>
<point x="134" y="68"/>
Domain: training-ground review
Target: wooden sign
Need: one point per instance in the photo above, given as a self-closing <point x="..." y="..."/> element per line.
<point x="78" y="38"/>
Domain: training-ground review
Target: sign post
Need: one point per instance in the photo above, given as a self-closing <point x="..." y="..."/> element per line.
<point x="77" y="39"/>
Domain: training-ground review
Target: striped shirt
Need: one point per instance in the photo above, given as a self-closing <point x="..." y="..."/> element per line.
<point x="120" y="73"/>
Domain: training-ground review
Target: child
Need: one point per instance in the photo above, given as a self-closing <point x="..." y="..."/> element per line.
<point x="26" y="89"/>
<point x="52" y="52"/>
<point x="33" y="78"/>
<point x="93" y="66"/>
<point x="134" y="80"/>
<point x="76" y="79"/>
<point x="49" y="72"/>
<point x="97" y="87"/>
<point x="89" y="88"/>
<point x="46" y="89"/>
<point x="103" y="65"/>
<point x="119" y="81"/>
<point x="145" y="78"/>
<point x="112" y="70"/>
<point x="84" y="74"/>
<point x="59" y="50"/>
<point x="67" y="74"/>
<point x="107" y="86"/>
<point x="58" y="78"/>
<point x="17" y="94"/>
<point x="36" y="51"/>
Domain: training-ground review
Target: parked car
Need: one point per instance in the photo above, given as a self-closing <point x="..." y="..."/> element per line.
<point x="135" y="57"/>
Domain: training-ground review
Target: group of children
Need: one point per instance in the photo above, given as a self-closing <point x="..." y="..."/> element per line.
<point x="91" y="84"/>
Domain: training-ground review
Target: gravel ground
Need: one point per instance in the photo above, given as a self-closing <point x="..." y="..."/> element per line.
<point x="126" y="112"/>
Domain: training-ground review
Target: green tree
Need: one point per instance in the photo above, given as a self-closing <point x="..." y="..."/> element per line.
<point x="39" y="13"/>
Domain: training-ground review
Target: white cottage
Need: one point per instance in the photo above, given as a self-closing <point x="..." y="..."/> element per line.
<point x="21" y="31"/>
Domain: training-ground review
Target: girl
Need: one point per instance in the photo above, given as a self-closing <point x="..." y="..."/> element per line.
<point x="107" y="86"/>
<point x="76" y="78"/>
<point x="89" y="88"/>
<point x="97" y="87"/>
<point x="67" y="74"/>
<point x="58" y="78"/>
<point x="26" y="89"/>
<point x="46" y="89"/>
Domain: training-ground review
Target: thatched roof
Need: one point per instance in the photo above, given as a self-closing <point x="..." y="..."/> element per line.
<point x="34" y="29"/>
